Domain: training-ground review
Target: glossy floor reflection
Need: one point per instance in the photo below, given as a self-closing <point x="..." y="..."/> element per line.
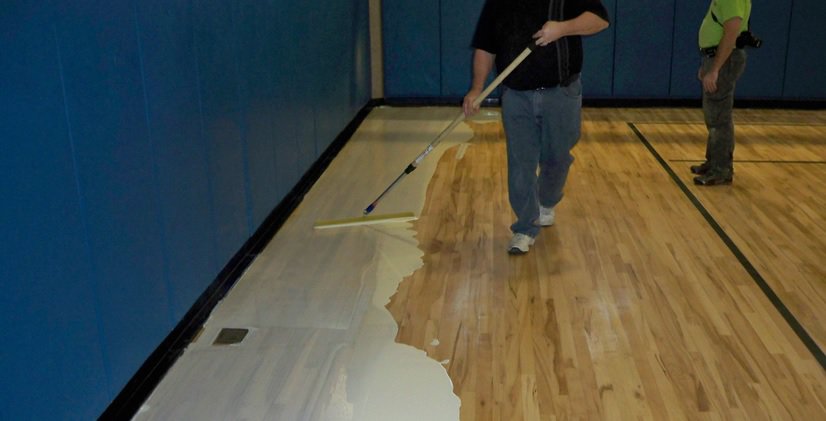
<point x="322" y="344"/>
<point x="630" y="307"/>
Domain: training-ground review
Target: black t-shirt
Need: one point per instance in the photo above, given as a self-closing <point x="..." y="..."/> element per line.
<point x="506" y="27"/>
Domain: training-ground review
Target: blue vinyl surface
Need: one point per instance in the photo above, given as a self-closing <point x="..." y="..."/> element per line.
<point x="455" y="45"/>
<point x="144" y="141"/>
<point x="766" y="65"/>
<point x="649" y="52"/>
<point x="598" y="58"/>
<point x="50" y="320"/>
<point x="643" y="47"/>
<point x="185" y="194"/>
<point x="412" y="49"/>
<point x="805" y="77"/>
<point x="106" y="111"/>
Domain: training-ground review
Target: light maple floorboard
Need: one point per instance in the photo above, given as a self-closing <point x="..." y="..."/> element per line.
<point x="630" y="307"/>
<point x="776" y="209"/>
<point x="321" y="344"/>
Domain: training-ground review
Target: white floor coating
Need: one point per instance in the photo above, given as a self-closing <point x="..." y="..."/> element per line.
<point x="321" y="345"/>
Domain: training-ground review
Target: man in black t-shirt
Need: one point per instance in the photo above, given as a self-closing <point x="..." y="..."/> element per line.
<point x="541" y="98"/>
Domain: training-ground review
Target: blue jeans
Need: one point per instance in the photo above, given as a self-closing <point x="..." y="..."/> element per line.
<point x="541" y="127"/>
<point x="717" y="110"/>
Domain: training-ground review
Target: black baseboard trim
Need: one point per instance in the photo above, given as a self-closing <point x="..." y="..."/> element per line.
<point x="786" y="104"/>
<point x="150" y="374"/>
<point x="791" y="104"/>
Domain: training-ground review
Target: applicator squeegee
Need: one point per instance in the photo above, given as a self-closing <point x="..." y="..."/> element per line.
<point x="366" y="219"/>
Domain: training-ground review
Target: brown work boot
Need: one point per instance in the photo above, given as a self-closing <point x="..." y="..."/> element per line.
<point x="700" y="169"/>
<point x="714" y="177"/>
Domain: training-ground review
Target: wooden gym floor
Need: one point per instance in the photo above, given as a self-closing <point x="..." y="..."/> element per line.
<point x="650" y="298"/>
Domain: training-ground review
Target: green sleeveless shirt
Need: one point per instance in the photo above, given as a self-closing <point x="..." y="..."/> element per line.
<point x="711" y="32"/>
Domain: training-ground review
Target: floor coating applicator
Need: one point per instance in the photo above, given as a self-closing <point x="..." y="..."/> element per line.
<point x="408" y="216"/>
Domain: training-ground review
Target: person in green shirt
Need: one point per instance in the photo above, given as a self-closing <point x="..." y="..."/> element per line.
<point x="723" y="63"/>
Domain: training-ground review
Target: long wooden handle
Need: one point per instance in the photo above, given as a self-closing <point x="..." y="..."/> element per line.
<point x="459" y="118"/>
<point x="493" y="85"/>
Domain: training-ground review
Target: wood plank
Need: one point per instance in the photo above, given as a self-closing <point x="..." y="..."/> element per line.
<point x="775" y="212"/>
<point x="321" y="344"/>
<point x="630" y="307"/>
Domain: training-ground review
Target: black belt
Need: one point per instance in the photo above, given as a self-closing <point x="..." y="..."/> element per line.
<point x="711" y="51"/>
<point x="708" y="52"/>
<point x="565" y="83"/>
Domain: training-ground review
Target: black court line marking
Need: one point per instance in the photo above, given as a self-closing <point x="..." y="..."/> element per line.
<point x="739" y="123"/>
<point x="754" y="161"/>
<point x="798" y="329"/>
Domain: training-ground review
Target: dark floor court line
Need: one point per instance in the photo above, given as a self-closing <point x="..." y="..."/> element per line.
<point x="756" y="161"/>
<point x="787" y="315"/>
<point x="748" y="122"/>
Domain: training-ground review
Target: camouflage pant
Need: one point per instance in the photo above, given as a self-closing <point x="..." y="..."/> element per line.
<point x="717" y="109"/>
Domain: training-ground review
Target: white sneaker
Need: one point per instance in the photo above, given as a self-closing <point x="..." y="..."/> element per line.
<point x="520" y="244"/>
<point x="546" y="216"/>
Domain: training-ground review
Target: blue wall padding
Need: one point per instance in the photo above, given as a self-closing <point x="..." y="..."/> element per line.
<point x="598" y="58"/>
<point x="254" y="25"/>
<point x="52" y="348"/>
<point x="347" y="58"/>
<point x="171" y="82"/>
<point x="765" y="66"/>
<point x="216" y="44"/>
<point x="118" y="182"/>
<point x="649" y="52"/>
<point x="296" y="76"/>
<point x="411" y="47"/>
<point x="458" y="23"/>
<point x="806" y="65"/>
<point x="143" y="143"/>
<point x="686" y="59"/>
<point x="642" y="54"/>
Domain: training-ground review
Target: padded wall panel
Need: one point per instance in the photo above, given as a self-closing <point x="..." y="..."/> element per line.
<point x="137" y="163"/>
<point x="457" y="25"/>
<point x="166" y="36"/>
<point x="805" y="76"/>
<point x="361" y="80"/>
<point x="47" y="307"/>
<point x="598" y="64"/>
<point x="334" y="67"/>
<point x="257" y="60"/>
<point x="763" y="77"/>
<point x="642" y="56"/>
<point x="301" y="87"/>
<point x="107" y="117"/>
<point x="293" y="109"/>
<point x="411" y="48"/>
<point x="686" y="58"/>
<point x="650" y="51"/>
<point x="217" y="61"/>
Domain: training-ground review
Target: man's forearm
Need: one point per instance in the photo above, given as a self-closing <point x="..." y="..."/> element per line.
<point x="584" y="24"/>
<point x="731" y="30"/>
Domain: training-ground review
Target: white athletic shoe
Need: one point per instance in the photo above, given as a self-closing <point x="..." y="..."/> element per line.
<point x="546" y="216"/>
<point x="520" y="244"/>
